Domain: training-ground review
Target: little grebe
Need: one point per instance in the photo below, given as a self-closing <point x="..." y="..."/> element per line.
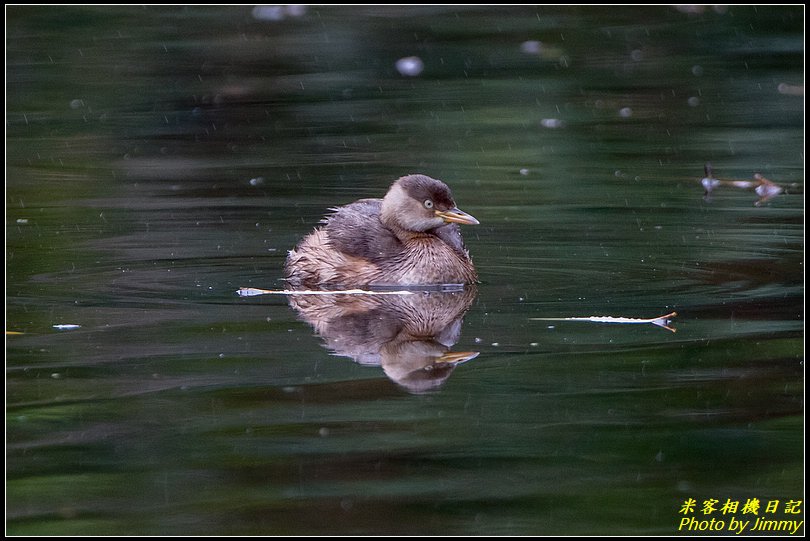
<point x="410" y="237"/>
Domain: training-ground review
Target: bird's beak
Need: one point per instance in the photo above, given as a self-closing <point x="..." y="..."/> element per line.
<point x="456" y="216"/>
<point x="457" y="357"/>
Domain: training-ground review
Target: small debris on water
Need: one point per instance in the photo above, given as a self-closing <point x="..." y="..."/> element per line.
<point x="66" y="327"/>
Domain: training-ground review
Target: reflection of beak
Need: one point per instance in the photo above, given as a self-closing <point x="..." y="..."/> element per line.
<point x="457" y="357"/>
<point x="456" y="216"/>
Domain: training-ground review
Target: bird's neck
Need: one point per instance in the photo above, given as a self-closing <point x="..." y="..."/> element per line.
<point x="405" y="235"/>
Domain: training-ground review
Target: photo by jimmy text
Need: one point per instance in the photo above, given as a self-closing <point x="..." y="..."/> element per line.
<point x="738" y="517"/>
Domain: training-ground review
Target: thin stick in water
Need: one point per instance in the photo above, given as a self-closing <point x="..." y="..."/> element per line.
<point x="252" y="292"/>
<point x="660" y="321"/>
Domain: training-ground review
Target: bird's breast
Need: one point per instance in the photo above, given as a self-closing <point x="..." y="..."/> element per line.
<point x="425" y="259"/>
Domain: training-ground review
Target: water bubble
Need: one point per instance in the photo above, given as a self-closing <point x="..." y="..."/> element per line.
<point x="278" y="13"/>
<point x="76" y="104"/>
<point x="269" y="13"/>
<point x="697" y="70"/>
<point x="523" y="172"/>
<point x="256" y="181"/>
<point x="637" y="55"/>
<point x="297" y="10"/>
<point x="685" y="486"/>
<point x="693" y="101"/>
<point x="531" y="47"/>
<point x="410" y="66"/>
<point x="552" y="123"/>
<point x="790" y="90"/>
<point x="690" y="9"/>
<point x="625" y="112"/>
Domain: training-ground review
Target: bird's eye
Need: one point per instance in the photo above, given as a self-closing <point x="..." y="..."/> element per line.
<point x="428" y="204"/>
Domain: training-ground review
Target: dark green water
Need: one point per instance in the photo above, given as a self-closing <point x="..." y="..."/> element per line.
<point x="160" y="158"/>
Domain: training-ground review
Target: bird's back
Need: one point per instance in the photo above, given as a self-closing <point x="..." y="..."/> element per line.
<point x="356" y="230"/>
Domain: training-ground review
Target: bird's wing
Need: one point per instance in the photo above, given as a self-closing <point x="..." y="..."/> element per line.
<point x="356" y="230"/>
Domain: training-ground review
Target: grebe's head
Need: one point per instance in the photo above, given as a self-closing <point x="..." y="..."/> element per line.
<point x="420" y="203"/>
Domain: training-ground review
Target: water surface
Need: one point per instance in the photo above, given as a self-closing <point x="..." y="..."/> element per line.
<point x="158" y="159"/>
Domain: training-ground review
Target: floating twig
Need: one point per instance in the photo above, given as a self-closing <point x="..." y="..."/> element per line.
<point x="252" y="292"/>
<point x="660" y="321"/>
<point x="765" y="188"/>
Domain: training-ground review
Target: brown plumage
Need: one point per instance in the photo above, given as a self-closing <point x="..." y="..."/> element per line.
<point x="410" y="237"/>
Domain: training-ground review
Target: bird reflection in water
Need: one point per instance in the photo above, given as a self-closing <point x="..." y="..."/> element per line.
<point x="408" y="335"/>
